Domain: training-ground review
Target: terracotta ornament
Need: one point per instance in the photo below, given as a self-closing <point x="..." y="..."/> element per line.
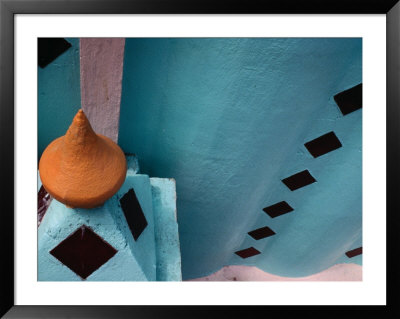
<point x="82" y="169"/>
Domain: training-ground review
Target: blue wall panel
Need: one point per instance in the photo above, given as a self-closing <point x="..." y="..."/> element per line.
<point x="59" y="96"/>
<point x="228" y="119"/>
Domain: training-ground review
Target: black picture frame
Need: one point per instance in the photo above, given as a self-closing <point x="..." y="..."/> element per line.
<point x="9" y="8"/>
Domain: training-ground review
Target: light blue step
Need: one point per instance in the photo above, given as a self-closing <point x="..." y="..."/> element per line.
<point x="132" y="164"/>
<point x="166" y="229"/>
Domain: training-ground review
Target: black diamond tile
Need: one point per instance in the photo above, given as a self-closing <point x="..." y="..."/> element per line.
<point x="299" y="180"/>
<point x="44" y="200"/>
<point x="278" y="209"/>
<point x="83" y="251"/>
<point x="133" y="213"/>
<point x="261" y="233"/>
<point x="248" y="252"/>
<point x="349" y="100"/>
<point x="323" y="144"/>
<point x="50" y="49"/>
<point x="354" y="252"/>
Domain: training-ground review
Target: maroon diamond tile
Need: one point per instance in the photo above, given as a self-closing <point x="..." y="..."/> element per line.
<point x="278" y="209"/>
<point x="299" y="180"/>
<point x="51" y="48"/>
<point x="44" y="200"/>
<point x="354" y="252"/>
<point x="323" y="144"/>
<point x="133" y="213"/>
<point x="261" y="233"/>
<point x="248" y="252"/>
<point x="83" y="251"/>
<point x="349" y="100"/>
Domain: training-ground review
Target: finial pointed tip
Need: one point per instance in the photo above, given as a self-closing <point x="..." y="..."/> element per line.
<point x="80" y="116"/>
<point x="80" y="129"/>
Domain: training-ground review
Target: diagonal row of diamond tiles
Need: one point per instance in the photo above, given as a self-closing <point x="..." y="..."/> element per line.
<point x="348" y="101"/>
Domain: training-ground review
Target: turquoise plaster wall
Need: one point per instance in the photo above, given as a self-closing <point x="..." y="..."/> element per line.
<point x="228" y="119"/>
<point x="59" y="96"/>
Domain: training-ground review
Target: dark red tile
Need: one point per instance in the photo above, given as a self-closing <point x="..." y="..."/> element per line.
<point x="133" y="213"/>
<point x="349" y="100"/>
<point x="323" y="144"/>
<point x="44" y="200"/>
<point x="248" y="252"/>
<point x="278" y="209"/>
<point x="261" y="233"/>
<point x="83" y="251"/>
<point x="50" y="49"/>
<point x="354" y="252"/>
<point x="299" y="180"/>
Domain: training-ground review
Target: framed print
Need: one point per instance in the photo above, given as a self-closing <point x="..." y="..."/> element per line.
<point x="276" y="125"/>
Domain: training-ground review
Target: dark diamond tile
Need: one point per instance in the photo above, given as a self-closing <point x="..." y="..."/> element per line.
<point x="299" y="180"/>
<point x="261" y="233"/>
<point x="83" y="251"/>
<point x="354" y="252"/>
<point x="278" y="209"/>
<point x="248" y="252"/>
<point x="323" y="144"/>
<point x="349" y="100"/>
<point x="44" y="200"/>
<point x="50" y="49"/>
<point x="133" y="213"/>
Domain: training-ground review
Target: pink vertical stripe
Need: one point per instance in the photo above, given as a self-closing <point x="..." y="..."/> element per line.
<point x="101" y="64"/>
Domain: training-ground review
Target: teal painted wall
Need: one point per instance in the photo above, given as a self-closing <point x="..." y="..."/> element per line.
<point x="59" y="96"/>
<point x="228" y="119"/>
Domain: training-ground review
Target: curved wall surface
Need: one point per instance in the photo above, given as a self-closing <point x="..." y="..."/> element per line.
<point x="228" y="119"/>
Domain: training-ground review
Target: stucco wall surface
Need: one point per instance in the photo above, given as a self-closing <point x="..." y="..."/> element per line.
<point x="59" y="96"/>
<point x="228" y="119"/>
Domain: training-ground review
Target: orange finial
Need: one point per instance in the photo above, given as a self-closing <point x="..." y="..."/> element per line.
<point x="82" y="168"/>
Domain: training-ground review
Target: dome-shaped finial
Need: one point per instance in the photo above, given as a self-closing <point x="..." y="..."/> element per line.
<point x="82" y="168"/>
